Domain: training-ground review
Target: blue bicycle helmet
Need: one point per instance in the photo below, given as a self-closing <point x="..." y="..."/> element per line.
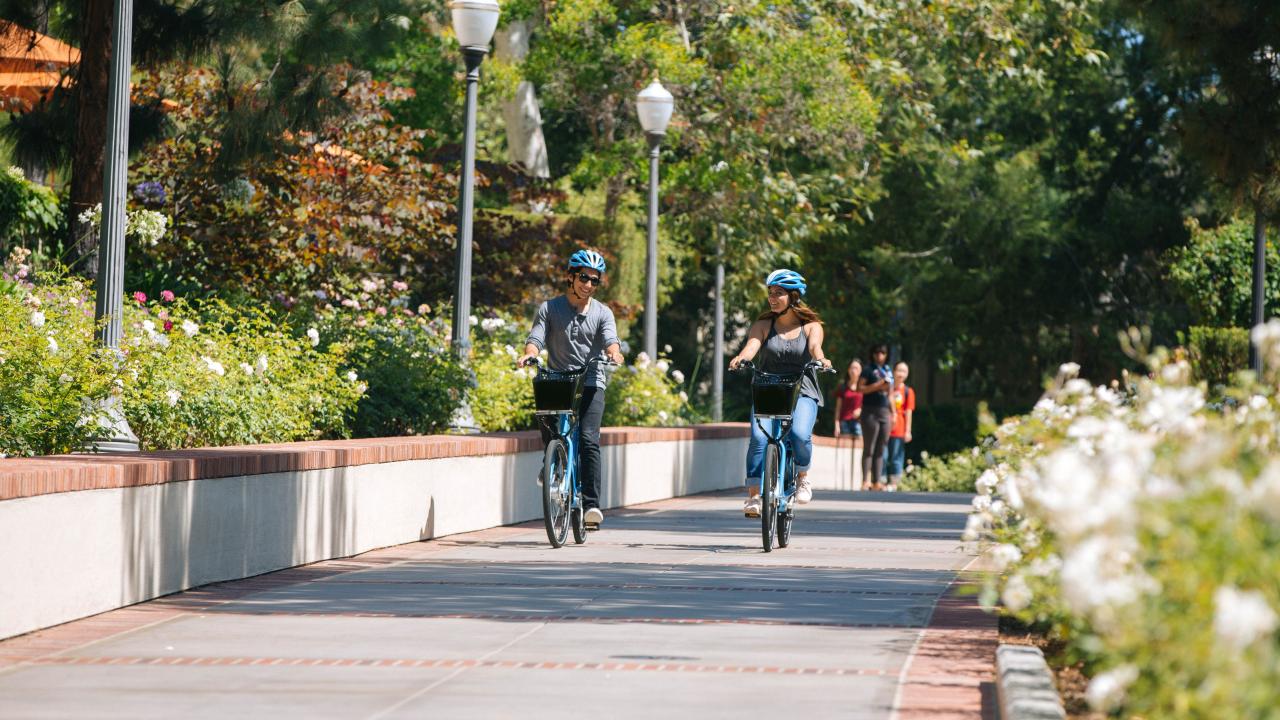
<point x="787" y="279"/>
<point x="587" y="259"/>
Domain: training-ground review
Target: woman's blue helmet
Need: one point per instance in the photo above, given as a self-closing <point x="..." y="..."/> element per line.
<point x="788" y="280"/>
<point x="587" y="259"/>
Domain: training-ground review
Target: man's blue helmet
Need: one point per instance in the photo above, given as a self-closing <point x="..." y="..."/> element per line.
<point x="788" y="280"/>
<point x="587" y="259"/>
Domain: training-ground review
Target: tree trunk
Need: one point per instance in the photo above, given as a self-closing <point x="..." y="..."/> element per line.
<point x="92" y="78"/>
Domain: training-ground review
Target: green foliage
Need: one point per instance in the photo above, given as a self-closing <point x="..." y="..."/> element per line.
<point x="208" y="374"/>
<point x="646" y="393"/>
<point x="53" y="377"/>
<point x="28" y="211"/>
<point x="1217" y="354"/>
<point x="503" y="396"/>
<point x="1213" y="273"/>
<point x="415" y="382"/>
<point x="955" y="472"/>
<point x="942" y="428"/>
<point x="351" y="199"/>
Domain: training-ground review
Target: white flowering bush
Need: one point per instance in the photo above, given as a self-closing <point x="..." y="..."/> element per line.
<point x="503" y="396"/>
<point x="53" y="378"/>
<point x="212" y="374"/>
<point x="646" y="392"/>
<point x="1142" y="527"/>
<point x="145" y="225"/>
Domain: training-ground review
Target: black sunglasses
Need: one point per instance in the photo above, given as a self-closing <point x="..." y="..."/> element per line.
<point x="589" y="279"/>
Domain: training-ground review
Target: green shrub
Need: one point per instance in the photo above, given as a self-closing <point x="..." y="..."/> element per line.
<point x="52" y="374"/>
<point x="646" y="393"/>
<point x="503" y="396"/>
<point x="955" y="472"/>
<point x="28" y="211"/>
<point x="415" y="383"/>
<point x="211" y="374"/>
<point x="1217" y="354"/>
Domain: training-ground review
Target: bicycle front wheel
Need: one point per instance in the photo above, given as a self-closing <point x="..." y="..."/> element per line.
<point x="555" y="492"/>
<point x="769" y="498"/>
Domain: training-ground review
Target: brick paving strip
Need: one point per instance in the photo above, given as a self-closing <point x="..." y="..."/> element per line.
<point x="951" y="673"/>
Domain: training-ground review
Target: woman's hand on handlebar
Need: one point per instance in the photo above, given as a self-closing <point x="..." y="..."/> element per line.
<point x="740" y="363"/>
<point x="823" y="365"/>
<point x="527" y="361"/>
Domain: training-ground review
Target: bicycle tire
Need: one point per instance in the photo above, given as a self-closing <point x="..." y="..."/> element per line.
<point x="555" y="501"/>
<point x="578" y="523"/>
<point x="769" y="498"/>
<point x="784" y="527"/>
<point x="785" y="518"/>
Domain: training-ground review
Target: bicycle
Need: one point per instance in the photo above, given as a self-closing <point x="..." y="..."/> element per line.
<point x="773" y="399"/>
<point x="555" y="399"/>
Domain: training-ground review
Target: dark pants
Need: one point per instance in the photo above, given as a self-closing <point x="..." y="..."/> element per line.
<point x="590" y="413"/>
<point x="876" y="424"/>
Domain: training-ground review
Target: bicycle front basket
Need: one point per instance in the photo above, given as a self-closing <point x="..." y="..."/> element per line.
<point x="774" y="394"/>
<point x="554" y="392"/>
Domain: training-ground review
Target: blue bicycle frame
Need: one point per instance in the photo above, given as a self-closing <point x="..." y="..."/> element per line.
<point x="777" y="433"/>
<point x="566" y="428"/>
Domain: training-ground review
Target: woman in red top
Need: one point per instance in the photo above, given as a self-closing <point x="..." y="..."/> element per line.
<point x="849" y="403"/>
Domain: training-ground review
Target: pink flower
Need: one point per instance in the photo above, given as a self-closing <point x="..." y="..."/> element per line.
<point x="168" y="325"/>
<point x="163" y="314"/>
<point x="166" y="295"/>
<point x="400" y="286"/>
<point x="140" y="297"/>
<point x="381" y="310"/>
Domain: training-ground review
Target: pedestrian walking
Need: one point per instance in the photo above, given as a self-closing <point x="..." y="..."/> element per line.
<point x="903" y="399"/>
<point x="875" y="384"/>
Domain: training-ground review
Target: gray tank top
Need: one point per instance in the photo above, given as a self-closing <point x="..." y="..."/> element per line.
<point x="782" y="356"/>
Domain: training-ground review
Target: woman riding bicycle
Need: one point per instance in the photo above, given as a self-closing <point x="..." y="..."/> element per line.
<point x="576" y="330"/>
<point x="787" y="336"/>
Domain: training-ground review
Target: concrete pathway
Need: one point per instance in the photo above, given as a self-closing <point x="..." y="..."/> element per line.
<point x="670" y="611"/>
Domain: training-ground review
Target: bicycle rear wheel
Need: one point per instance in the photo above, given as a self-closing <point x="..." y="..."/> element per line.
<point x="769" y="498"/>
<point x="555" y="492"/>
<point x="577" y="520"/>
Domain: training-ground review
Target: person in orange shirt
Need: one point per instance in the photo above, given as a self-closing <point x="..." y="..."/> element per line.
<point x="903" y="400"/>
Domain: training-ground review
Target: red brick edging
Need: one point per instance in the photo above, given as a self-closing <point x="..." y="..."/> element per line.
<point x="28" y="477"/>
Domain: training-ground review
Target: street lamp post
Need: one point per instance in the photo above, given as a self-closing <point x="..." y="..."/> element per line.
<point x="473" y="22"/>
<point x="654" y="105"/>
<point x="113" y="433"/>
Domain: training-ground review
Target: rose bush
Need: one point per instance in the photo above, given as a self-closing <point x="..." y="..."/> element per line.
<point x="647" y="393"/>
<point x="1141" y="526"/>
<point x="187" y="375"/>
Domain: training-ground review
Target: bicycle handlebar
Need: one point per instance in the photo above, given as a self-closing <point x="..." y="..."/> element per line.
<point x="748" y="366"/>
<point x="603" y="362"/>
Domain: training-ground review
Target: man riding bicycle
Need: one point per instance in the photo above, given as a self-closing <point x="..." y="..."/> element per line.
<point x="577" y="330"/>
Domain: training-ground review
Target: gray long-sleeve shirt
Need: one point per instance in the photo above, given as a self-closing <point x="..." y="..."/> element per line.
<point x="572" y="338"/>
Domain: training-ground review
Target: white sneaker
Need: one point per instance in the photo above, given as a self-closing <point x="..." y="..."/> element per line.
<point x="751" y="508"/>
<point x="593" y="517"/>
<point x="804" y="493"/>
<point x="540" y="473"/>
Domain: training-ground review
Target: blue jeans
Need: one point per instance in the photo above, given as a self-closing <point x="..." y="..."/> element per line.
<point x="851" y="427"/>
<point x="802" y="420"/>
<point x="895" y="456"/>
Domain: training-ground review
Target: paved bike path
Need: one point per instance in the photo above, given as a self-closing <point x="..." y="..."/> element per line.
<point x="671" y="610"/>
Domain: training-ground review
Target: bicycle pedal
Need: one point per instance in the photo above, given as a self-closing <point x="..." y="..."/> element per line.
<point x="592" y="527"/>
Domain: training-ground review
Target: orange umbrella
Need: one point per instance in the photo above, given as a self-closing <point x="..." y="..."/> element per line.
<point x="31" y="64"/>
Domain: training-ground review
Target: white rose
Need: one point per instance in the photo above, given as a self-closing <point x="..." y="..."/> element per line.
<point x="677" y="376"/>
<point x="1241" y="617"/>
<point x="37" y="318"/>
<point x="314" y="335"/>
<point x="247" y="368"/>
<point x="352" y="376"/>
<point x="174" y="396"/>
<point x="190" y="328"/>
<point x="214" y="366"/>
<point x="262" y="363"/>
